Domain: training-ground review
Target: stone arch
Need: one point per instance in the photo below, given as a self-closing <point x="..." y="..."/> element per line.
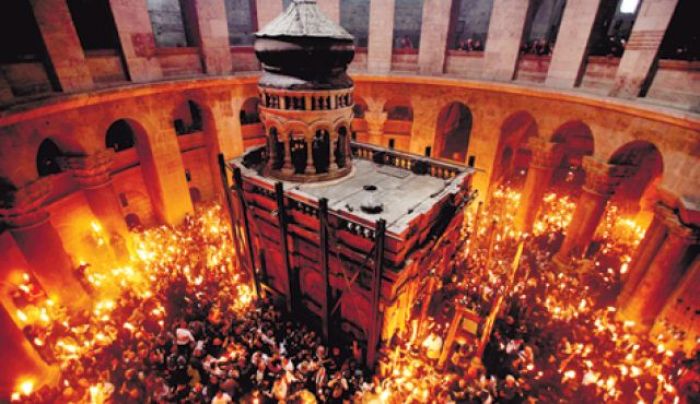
<point x="120" y="136"/>
<point x="359" y="108"/>
<point x="187" y="118"/>
<point x="249" y="113"/>
<point x="47" y="156"/>
<point x="576" y="140"/>
<point x="645" y="165"/>
<point x="454" y="124"/>
<point x="512" y="153"/>
<point x="399" y="109"/>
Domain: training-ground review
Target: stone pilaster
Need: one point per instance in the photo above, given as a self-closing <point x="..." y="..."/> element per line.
<point x="566" y="66"/>
<point x="663" y="274"/>
<point x="212" y="34"/>
<point x="92" y="173"/>
<point x="375" y="125"/>
<point x="434" y="33"/>
<point x="381" y="35"/>
<point x="331" y="8"/>
<point x="504" y="38"/>
<point x="62" y="44"/>
<point x="136" y="38"/>
<point x="267" y="10"/>
<point x="546" y="156"/>
<point x="643" y="45"/>
<point x="41" y="245"/>
<point x="601" y="181"/>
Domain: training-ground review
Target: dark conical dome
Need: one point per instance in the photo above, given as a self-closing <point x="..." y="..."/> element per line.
<point x="303" y="49"/>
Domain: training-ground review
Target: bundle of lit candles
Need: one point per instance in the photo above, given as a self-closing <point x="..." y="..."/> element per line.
<point x="605" y="353"/>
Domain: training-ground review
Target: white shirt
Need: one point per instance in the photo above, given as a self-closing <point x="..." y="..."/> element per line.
<point x="183" y="336"/>
<point x="223" y="399"/>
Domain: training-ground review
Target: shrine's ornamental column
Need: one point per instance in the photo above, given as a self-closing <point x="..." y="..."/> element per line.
<point x="601" y="181"/>
<point x="62" y="44"/>
<point x="545" y="158"/>
<point x="92" y="173"/>
<point x="664" y="272"/>
<point x="503" y="40"/>
<point x="211" y="30"/>
<point x="136" y="38"/>
<point x="41" y="245"/>
<point x="643" y="46"/>
<point x="566" y="67"/>
<point x="381" y="36"/>
<point x="433" y="37"/>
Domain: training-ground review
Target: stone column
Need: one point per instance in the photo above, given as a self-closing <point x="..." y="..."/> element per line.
<point x="647" y="249"/>
<point x="331" y="8"/>
<point x="211" y="30"/>
<point x="136" y="38"/>
<point x="663" y="275"/>
<point x="267" y="10"/>
<point x="566" y="66"/>
<point x="504" y="38"/>
<point x="433" y="36"/>
<point x="381" y="35"/>
<point x="62" y="44"/>
<point x="310" y="168"/>
<point x="641" y="49"/>
<point x="545" y="158"/>
<point x="333" y="164"/>
<point x="92" y="173"/>
<point x="375" y="125"/>
<point x="601" y="181"/>
<point x="41" y="245"/>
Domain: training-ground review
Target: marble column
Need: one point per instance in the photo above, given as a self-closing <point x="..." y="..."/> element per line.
<point x="41" y="244"/>
<point x="647" y="249"/>
<point x="381" y="36"/>
<point x="504" y="38"/>
<point x="333" y="164"/>
<point x="566" y="66"/>
<point x="288" y="166"/>
<point x="545" y="158"/>
<point x="375" y="126"/>
<point x="62" y="44"/>
<point x="643" y="46"/>
<point x="331" y="8"/>
<point x="211" y="30"/>
<point x="310" y="168"/>
<point x="663" y="274"/>
<point x="601" y="181"/>
<point x="136" y="38"/>
<point x="92" y="173"/>
<point x="433" y="38"/>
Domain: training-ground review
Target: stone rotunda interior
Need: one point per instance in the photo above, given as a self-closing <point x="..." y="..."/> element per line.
<point x="362" y="201"/>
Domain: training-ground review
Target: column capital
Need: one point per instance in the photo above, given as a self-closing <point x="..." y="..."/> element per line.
<point x="602" y="178"/>
<point x="675" y="225"/>
<point x="89" y="171"/>
<point x="545" y="154"/>
<point x="25" y="205"/>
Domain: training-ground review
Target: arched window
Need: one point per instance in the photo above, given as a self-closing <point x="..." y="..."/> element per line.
<point x="321" y="151"/>
<point x="47" y="158"/>
<point x="577" y="141"/>
<point x="249" y="111"/>
<point x="120" y="136"/>
<point x="188" y="118"/>
<point x="454" y="127"/>
<point x="299" y="150"/>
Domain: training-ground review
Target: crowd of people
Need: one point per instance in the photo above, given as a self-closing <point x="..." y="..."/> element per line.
<point x="188" y="328"/>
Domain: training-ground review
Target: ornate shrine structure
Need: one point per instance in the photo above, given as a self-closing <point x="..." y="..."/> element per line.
<point x="344" y="233"/>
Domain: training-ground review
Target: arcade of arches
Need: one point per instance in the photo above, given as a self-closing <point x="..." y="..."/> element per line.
<point x="83" y="175"/>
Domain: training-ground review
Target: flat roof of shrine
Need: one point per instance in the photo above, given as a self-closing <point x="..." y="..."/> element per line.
<point x="404" y="195"/>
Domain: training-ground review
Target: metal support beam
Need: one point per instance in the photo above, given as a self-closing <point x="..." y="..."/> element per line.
<point x="238" y="178"/>
<point x="325" y="269"/>
<point x="291" y="274"/>
<point x="376" y="290"/>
